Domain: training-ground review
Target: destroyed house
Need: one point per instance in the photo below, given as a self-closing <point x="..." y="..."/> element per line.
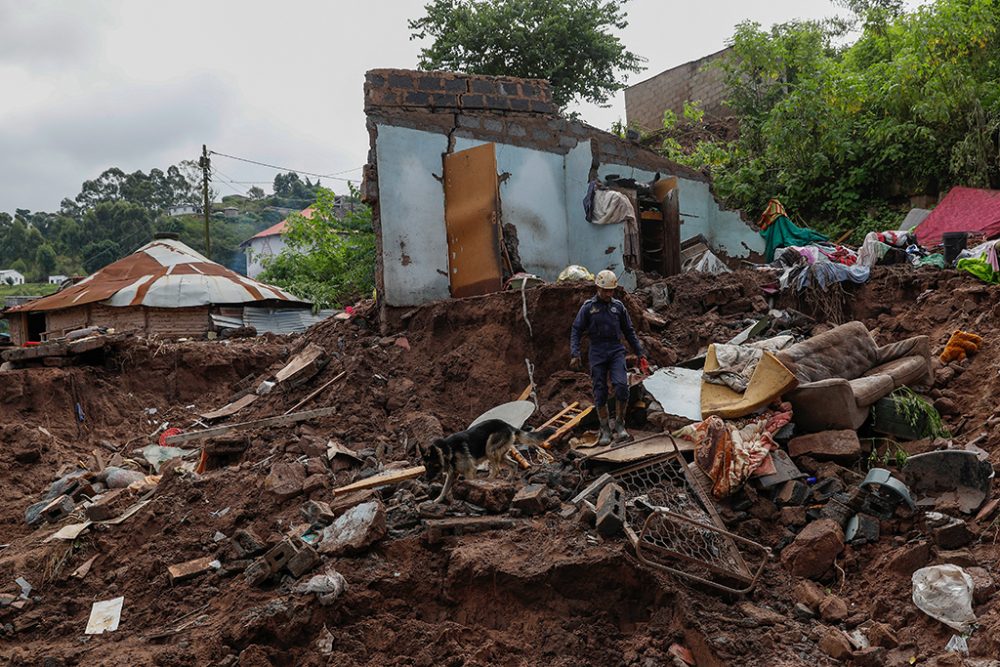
<point x="163" y="288"/>
<point x="473" y="178"/>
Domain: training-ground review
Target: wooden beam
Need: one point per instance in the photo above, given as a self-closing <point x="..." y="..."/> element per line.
<point x="313" y="394"/>
<point x="390" y="477"/>
<point x="282" y="420"/>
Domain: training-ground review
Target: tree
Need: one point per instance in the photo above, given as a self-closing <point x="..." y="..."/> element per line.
<point x="255" y="193"/>
<point x="327" y="260"/>
<point x="568" y="42"/>
<point x="45" y="259"/>
<point x="99" y="254"/>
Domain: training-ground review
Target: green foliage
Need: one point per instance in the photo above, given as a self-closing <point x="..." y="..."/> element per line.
<point x="568" y="42"/>
<point x="27" y="289"/>
<point x="918" y="413"/>
<point x="913" y="106"/>
<point x="326" y="260"/>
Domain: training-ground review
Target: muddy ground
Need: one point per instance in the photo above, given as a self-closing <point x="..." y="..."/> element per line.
<point x="546" y="590"/>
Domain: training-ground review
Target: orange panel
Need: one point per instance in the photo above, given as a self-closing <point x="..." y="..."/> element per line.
<point x="472" y="220"/>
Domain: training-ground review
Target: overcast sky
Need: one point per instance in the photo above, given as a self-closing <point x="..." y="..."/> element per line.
<point x="136" y="84"/>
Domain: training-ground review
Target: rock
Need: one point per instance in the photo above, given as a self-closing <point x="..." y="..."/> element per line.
<point x="761" y="615"/>
<point x="943" y="376"/>
<point x="946" y="406"/>
<point x="835" y="644"/>
<point x="866" y="531"/>
<point x="881" y="634"/>
<point x="792" y="492"/>
<point x="983" y="582"/>
<point x="493" y="495"/>
<point x="953" y="535"/>
<point x="317" y="511"/>
<point x="873" y="656"/>
<point x="802" y="612"/>
<point x="314" y="483"/>
<point x="355" y="530"/>
<point x="960" y="557"/>
<point x="285" y="480"/>
<point x="908" y="559"/>
<point x="814" y="550"/>
<point x="316" y="466"/>
<point x="827" y="445"/>
<point x="246" y="543"/>
<point x="808" y="594"/>
<point x="833" y="609"/>
<point x="532" y="499"/>
<point x="30" y="454"/>
<point x="792" y="516"/>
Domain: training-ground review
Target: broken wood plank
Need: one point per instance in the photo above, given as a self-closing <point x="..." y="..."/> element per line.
<point x="183" y="571"/>
<point x="281" y="420"/>
<point x="230" y="408"/>
<point x="564" y="422"/>
<point x="593" y="487"/>
<point x="383" y="479"/>
<point x="303" y="366"/>
<point x="526" y="393"/>
<point x="438" y="528"/>
<point x="313" y="394"/>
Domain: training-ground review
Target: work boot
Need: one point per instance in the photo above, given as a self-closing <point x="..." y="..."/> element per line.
<point x="620" y="432"/>
<point x="604" y="439"/>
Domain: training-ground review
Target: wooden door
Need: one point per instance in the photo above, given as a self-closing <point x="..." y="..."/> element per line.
<point x="472" y="221"/>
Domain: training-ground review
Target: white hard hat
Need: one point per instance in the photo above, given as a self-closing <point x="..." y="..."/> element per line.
<point x="606" y="280"/>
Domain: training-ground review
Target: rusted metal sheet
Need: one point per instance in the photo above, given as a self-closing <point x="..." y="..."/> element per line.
<point x="472" y="221"/>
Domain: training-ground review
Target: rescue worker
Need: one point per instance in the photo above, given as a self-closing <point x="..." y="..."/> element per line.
<point x="605" y="319"/>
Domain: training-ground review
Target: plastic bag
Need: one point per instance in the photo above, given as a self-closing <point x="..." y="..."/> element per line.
<point x="327" y="587"/>
<point x="944" y="592"/>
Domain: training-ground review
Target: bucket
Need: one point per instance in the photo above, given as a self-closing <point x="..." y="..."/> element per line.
<point x="954" y="243"/>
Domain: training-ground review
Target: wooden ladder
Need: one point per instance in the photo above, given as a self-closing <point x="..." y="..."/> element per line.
<point x="564" y="422"/>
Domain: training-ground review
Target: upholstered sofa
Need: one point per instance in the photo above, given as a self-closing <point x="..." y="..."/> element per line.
<point x="842" y="372"/>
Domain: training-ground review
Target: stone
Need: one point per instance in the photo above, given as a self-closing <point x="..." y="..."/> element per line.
<point x="316" y="466"/>
<point x="355" y="530"/>
<point x="873" y="656"/>
<point x="304" y="560"/>
<point x="808" y="594"/>
<point x="953" y="535"/>
<point x="827" y="445"/>
<point x="814" y="550"/>
<point x="108" y="505"/>
<point x="285" y="480"/>
<point x="761" y="615"/>
<point x="959" y="557"/>
<point x="793" y="517"/>
<point x="866" y="531"/>
<point x="792" y="492"/>
<point x="946" y="406"/>
<point x="833" y="609"/>
<point x="881" y="634"/>
<point x="493" y="495"/>
<point x="835" y="644"/>
<point x="314" y="483"/>
<point x="317" y="511"/>
<point x="908" y="559"/>
<point x="984" y="586"/>
<point x="802" y="612"/>
<point x="30" y="454"/>
<point x="531" y="499"/>
<point x="246" y="544"/>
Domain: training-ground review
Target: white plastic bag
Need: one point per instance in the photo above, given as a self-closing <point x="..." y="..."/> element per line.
<point x="944" y="592"/>
<point x="327" y="587"/>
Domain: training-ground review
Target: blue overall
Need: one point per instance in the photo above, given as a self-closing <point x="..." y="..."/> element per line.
<point x="605" y="323"/>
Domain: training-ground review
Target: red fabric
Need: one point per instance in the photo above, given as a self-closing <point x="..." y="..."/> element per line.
<point x="962" y="210"/>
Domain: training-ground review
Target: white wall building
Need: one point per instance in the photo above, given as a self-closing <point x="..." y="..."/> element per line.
<point x="267" y="243"/>
<point x="57" y="280"/>
<point x="11" y="277"/>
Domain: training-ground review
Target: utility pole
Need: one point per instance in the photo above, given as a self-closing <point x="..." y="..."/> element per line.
<point x="205" y="165"/>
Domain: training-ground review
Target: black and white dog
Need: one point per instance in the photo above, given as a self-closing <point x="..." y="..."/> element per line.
<point x="460" y="453"/>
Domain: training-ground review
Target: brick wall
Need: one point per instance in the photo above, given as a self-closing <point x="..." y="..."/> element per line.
<point x="450" y="90"/>
<point x="645" y="102"/>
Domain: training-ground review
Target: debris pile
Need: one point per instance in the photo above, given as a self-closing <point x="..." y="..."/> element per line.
<point x="262" y="501"/>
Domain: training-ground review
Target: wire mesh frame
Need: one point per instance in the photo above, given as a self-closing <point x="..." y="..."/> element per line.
<point x="680" y="523"/>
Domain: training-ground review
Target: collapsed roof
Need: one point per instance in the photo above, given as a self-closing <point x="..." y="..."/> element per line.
<point x="164" y="273"/>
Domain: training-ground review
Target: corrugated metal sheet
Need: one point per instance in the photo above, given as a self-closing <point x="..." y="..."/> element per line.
<point x="282" y="320"/>
<point x="162" y="274"/>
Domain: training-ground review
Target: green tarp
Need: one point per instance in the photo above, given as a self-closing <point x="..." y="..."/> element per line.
<point x="980" y="268"/>
<point x="783" y="233"/>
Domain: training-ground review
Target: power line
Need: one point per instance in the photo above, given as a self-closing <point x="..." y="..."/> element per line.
<point x="333" y="176"/>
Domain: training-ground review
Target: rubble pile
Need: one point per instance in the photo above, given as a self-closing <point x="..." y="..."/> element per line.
<point x="262" y="501"/>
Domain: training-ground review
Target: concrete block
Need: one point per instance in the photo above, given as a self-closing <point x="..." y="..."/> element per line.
<point x="279" y="555"/>
<point x="792" y="492"/>
<point x="191" y="569"/>
<point x="304" y="560"/>
<point x="953" y="535"/>
<point x="257" y="573"/>
<point x="58" y="509"/>
<point x="246" y="543"/>
<point x="530" y="499"/>
<point x="611" y="510"/>
<point x="108" y="505"/>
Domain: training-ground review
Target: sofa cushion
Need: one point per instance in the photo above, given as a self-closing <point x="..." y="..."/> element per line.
<point x="847" y="351"/>
<point x="905" y="370"/>
<point x="869" y="389"/>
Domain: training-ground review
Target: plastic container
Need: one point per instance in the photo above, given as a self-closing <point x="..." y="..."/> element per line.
<point x="954" y="243"/>
<point x="888" y="420"/>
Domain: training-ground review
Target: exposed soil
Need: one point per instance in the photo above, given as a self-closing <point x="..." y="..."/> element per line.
<point x="545" y="591"/>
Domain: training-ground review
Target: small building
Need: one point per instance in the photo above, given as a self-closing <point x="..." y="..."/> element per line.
<point x="11" y="277"/>
<point x="267" y="243"/>
<point x="163" y="288"/>
<point x="697" y="81"/>
<point x="58" y="279"/>
<point x="182" y="209"/>
<point x="230" y="212"/>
